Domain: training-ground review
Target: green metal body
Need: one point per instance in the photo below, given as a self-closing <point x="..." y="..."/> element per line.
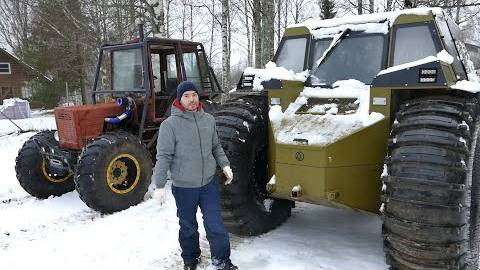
<point x="345" y="173"/>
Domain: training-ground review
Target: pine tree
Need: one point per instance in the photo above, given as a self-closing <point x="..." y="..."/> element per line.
<point x="327" y="9"/>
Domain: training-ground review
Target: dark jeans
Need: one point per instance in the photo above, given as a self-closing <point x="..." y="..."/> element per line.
<point x="208" y="199"/>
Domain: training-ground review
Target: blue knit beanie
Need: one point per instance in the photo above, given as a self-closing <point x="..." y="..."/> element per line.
<point x="184" y="87"/>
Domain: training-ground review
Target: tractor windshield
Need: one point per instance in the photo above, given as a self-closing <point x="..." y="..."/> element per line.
<point x="127" y="69"/>
<point x="120" y="70"/>
<point x="357" y="56"/>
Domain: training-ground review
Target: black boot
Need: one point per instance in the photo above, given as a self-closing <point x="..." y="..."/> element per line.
<point x="191" y="265"/>
<point x="227" y="266"/>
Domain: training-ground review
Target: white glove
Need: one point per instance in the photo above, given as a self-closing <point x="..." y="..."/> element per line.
<point x="159" y="195"/>
<point x="229" y="174"/>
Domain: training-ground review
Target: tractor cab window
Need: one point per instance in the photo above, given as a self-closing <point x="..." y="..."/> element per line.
<point x="171" y="74"/>
<point x="127" y="70"/>
<point x="413" y="42"/>
<point x="192" y="71"/>
<point x="358" y="56"/>
<point x="291" y="54"/>
<point x="156" y="72"/>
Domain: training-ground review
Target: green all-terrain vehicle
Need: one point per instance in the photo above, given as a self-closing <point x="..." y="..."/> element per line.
<point x="392" y="93"/>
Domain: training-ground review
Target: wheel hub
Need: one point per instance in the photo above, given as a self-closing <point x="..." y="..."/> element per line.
<point x="123" y="173"/>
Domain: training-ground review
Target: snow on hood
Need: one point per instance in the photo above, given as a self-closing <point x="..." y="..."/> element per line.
<point x="443" y="56"/>
<point x="469" y="86"/>
<point x="315" y="23"/>
<point x="271" y="71"/>
<point x="328" y="128"/>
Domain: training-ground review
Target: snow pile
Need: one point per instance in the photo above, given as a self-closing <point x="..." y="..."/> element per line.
<point x="469" y="86"/>
<point x="327" y="128"/>
<point x="29" y="124"/>
<point x="271" y="71"/>
<point x="15" y="108"/>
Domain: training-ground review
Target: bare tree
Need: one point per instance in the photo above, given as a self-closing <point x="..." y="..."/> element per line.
<point x="268" y="35"/>
<point x="225" y="45"/>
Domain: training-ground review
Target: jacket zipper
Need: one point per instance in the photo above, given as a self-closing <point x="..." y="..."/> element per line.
<point x="201" y="148"/>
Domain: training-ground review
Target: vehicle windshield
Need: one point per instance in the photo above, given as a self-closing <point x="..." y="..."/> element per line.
<point x="121" y="70"/>
<point x="320" y="46"/>
<point x="357" y="56"/>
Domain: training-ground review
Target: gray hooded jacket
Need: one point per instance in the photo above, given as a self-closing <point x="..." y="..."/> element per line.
<point x="188" y="146"/>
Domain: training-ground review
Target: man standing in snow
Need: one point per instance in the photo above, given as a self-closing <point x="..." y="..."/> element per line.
<point x="188" y="146"/>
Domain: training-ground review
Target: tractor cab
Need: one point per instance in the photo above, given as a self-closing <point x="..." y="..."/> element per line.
<point x="151" y="70"/>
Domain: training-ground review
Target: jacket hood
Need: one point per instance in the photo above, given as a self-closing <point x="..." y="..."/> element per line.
<point x="179" y="110"/>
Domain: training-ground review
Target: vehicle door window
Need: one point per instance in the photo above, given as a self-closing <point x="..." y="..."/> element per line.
<point x="291" y="54"/>
<point x="171" y="73"/>
<point x="156" y="73"/>
<point x="412" y="43"/>
<point x="192" y="72"/>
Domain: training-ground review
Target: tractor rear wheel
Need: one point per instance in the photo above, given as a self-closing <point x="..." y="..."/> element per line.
<point x="242" y="127"/>
<point x="431" y="195"/>
<point x="33" y="172"/>
<point x="114" y="172"/>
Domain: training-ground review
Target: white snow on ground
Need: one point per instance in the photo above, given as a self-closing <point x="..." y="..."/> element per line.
<point x="62" y="233"/>
<point x="41" y="120"/>
<point x="323" y="129"/>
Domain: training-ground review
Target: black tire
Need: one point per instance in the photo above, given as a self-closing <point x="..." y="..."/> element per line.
<point x="114" y="172"/>
<point x="242" y="127"/>
<point x="33" y="173"/>
<point x="430" y="206"/>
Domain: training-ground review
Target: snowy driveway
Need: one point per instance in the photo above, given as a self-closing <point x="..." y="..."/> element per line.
<point x="62" y="233"/>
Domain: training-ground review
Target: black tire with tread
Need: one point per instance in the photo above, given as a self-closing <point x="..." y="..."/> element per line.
<point x="91" y="180"/>
<point x="242" y="127"/>
<point x="28" y="167"/>
<point x="430" y="208"/>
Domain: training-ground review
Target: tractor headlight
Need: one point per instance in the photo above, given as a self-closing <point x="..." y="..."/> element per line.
<point x="55" y="135"/>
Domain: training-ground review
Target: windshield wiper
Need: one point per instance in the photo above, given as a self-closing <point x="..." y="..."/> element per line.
<point x="335" y="42"/>
<point x="327" y="52"/>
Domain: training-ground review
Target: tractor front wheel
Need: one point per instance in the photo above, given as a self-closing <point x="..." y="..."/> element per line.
<point x="34" y="174"/>
<point x="114" y="172"/>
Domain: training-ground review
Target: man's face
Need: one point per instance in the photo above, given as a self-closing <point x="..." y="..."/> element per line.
<point x="190" y="101"/>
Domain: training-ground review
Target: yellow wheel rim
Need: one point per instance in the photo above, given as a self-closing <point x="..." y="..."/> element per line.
<point x="123" y="173"/>
<point x="53" y="178"/>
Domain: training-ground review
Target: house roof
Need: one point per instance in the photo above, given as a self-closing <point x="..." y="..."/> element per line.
<point x="24" y="64"/>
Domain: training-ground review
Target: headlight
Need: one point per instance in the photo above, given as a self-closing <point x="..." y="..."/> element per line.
<point x="55" y="135"/>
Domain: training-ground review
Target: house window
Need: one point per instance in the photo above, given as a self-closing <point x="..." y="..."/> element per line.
<point x="5" y="68"/>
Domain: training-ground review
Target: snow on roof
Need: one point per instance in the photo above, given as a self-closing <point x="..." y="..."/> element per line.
<point x="379" y="27"/>
<point x="271" y="71"/>
<point x="316" y="23"/>
<point x="326" y="128"/>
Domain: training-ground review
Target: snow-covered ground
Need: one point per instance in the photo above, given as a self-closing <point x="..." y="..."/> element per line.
<point x="62" y="233"/>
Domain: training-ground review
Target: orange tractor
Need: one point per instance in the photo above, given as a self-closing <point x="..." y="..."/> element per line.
<point x="105" y="150"/>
